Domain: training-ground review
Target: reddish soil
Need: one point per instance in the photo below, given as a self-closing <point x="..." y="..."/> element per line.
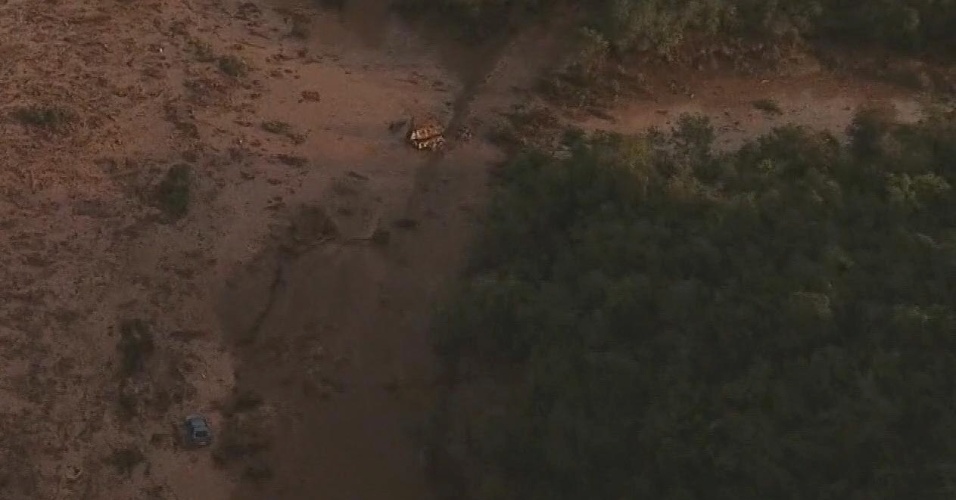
<point x="290" y="304"/>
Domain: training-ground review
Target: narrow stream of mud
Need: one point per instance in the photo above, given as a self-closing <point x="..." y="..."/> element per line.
<point x="333" y="337"/>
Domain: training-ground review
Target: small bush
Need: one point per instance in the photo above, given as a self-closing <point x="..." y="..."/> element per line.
<point x="202" y="50"/>
<point x="301" y="26"/>
<point x="52" y="118"/>
<point x="173" y="193"/>
<point x="233" y="66"/>
<point x="769" y="106"/>
<point x="277" y="127"/>
<point x="870" y="126"/>
<point x="135" y="345"/>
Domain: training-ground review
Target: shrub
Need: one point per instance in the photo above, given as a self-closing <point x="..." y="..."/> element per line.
<point x="173" y="192"/>
<point x="652" y="319"/>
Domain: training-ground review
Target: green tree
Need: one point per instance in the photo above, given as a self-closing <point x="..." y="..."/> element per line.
<point x="653" y="319"/>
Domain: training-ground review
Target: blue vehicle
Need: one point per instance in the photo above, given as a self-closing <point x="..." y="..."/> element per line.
<point x="198" y="432"/>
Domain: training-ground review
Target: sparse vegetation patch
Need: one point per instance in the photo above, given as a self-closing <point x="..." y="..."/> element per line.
<point x="277" y="127"/>
<point x="51" y="118"/>
<point x="173" y="192"/>
<point x="768" y="106"/>
<point x="135" y="346"/>
<point x="233" y="66"/>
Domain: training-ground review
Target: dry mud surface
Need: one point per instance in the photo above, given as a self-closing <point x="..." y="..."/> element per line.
<point x="290" y="304"/>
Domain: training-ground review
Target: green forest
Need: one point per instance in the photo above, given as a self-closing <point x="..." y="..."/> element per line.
<point x="663" y="24"/>
<point x="651" y="318"/>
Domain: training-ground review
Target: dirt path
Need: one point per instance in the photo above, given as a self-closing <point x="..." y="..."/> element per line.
<point x="741" y="109"/>
<point x="305" y="346"/>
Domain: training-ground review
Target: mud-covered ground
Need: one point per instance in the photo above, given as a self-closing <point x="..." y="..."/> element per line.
<point x="286" y="296"/>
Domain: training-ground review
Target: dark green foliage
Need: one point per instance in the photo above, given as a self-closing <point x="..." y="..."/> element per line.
<point x="768" y="106"/>
<point x="659" y="321"/>
<point x="476" y="19"/>
<point x="662" y="24"/>
<point x="173" y="193"/>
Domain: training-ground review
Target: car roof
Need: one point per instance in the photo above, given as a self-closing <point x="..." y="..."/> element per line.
<point x="197" y="421"/>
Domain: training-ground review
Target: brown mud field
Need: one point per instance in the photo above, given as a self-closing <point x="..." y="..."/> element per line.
<point x="286" y="294"/>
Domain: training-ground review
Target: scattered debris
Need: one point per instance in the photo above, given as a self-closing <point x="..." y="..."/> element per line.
<point x="426" y="134"/>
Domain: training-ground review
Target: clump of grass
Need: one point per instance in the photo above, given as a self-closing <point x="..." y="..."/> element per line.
<point x="769" y="106"/>
<point x="135" y="346"/>
<point x="526" y="128"/>
<point x="283" y="128"/>
<point x="301" y="26"/>
<point x="183" y="124"/>
<point x="53" y="118"/>
<point x="277" y="127"/>
<point x="233" y="66"/>
<point x="173" y="193"/>
<point x="202" y="50"/>
<point x="126" y="459"/>
<point x="292" y="160"/>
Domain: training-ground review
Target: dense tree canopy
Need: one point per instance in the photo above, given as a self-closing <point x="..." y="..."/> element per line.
<point x="650" y="319"/>
<point x="660" y="24"/>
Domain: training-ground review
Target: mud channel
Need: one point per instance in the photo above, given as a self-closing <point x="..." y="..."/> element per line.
<point x="329" y="324"/>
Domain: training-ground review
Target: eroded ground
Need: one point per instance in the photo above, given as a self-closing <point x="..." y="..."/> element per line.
<point x="287" y="295"/>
